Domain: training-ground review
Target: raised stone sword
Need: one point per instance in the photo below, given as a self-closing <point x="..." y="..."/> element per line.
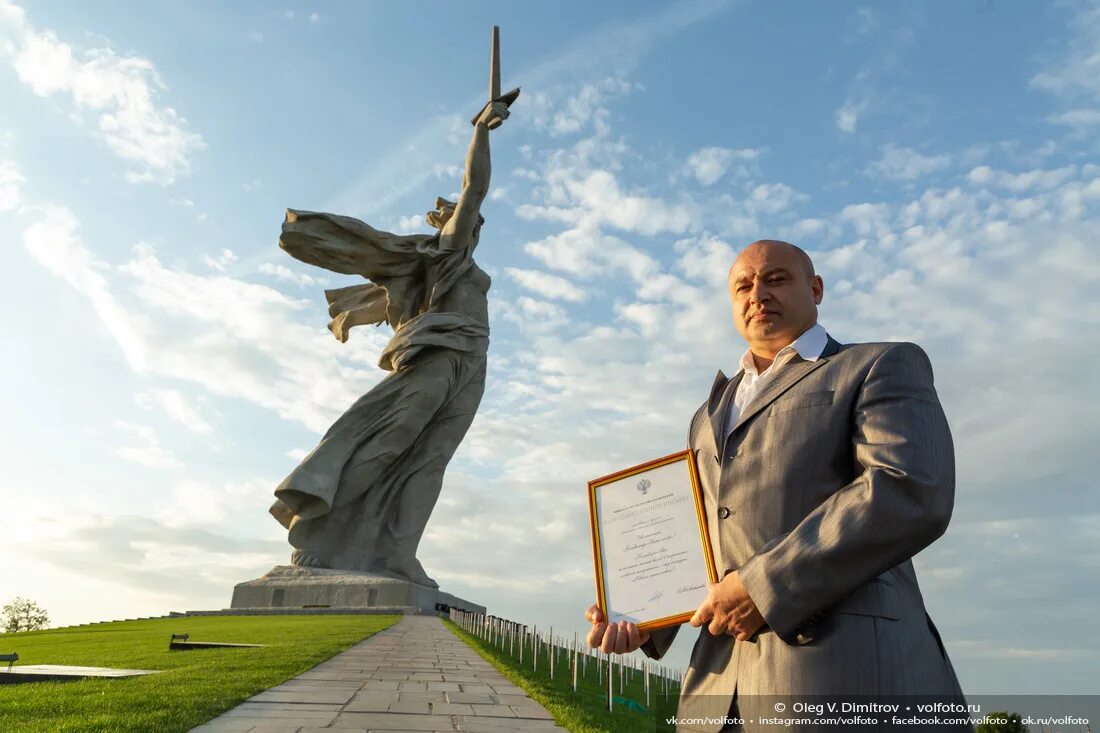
<point x="494" y="82"/>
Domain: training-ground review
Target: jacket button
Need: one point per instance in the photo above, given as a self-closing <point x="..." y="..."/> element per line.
<point x="723" y="512"/>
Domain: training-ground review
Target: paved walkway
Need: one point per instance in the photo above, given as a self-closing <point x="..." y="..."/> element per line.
<point x="414" y="676"/>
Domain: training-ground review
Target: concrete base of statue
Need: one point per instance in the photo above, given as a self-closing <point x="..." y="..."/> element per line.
<point x="292" y="587"/>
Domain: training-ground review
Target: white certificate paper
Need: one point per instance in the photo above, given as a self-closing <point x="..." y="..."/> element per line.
<point x="650" y="543"/>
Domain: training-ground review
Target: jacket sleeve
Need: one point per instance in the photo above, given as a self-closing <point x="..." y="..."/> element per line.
<point x="898" y="505"/>
<point x="659" y="642"/>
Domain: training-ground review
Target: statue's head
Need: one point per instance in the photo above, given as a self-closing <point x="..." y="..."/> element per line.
<point x="443" y="212"/>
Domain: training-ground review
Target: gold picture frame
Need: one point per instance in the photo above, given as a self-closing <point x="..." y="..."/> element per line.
<point x="615" y="482"/>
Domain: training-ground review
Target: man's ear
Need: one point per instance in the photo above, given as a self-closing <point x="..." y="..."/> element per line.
<point x="818" y="286"/>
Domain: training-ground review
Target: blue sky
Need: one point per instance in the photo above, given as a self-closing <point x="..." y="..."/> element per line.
<point x="164" y="365"/>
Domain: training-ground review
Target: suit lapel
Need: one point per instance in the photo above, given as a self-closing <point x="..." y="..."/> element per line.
<point x="721" y="392"/>
<point x="789" y="375"/>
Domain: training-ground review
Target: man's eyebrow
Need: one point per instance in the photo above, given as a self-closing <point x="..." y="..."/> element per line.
<point x="775" y="271"/>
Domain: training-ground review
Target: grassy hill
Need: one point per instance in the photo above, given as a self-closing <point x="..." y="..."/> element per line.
<point x="195" y="685"/>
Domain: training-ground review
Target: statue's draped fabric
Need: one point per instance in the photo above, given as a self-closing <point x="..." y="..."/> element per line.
<point x="345" y="495"/>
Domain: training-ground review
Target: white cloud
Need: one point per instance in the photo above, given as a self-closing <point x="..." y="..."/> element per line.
<point x="53" y="241"/>
<point x="224" y="259"/>
<point x="411" y="224"/>
<point x="595" y="198"/>
<point x="144" y="449"/>
<point x="448" y="171"/>
<point x="534" y="314"/>
<point x="1075" y="72"/>
<point x="772" y="198"/>
<point x="285" y="274"/>
<point x="204" y="505"/>
<point x="545" y="284"/>
<point x="905" y="164"/>
<point x="585" y="252"/>
<point x="235" y="339"/>
<point x="847" y="115"/>
<point x="120" y="93"/>
<point x="1019" y="182"/>
<point x="11" y="186"/>
<point x="706" y="259"/>
<point x="1077" y="118"/>
<point x="708" y="165"/>
<point x="176" y="406"/>
<point x="862" y="21"/>
<point x="587" y="105"/>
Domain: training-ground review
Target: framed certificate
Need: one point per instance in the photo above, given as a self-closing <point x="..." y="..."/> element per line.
<point x="650" y="542"/>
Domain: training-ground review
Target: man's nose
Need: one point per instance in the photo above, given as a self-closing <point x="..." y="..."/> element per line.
<point x="759" y="294"/>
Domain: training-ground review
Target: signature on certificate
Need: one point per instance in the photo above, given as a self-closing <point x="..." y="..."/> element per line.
<point x="656" y="596"/>
<point x="688" y="588"/>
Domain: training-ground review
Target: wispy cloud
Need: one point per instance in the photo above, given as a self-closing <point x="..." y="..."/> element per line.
<point x="176" y="406"/>
<point x="283" y="273"/>
<point x="221" y="261"/>
<point x="899" y="163"/>
<point x="118" y="92"/>
<point x="230" y="337"/>
<point x="143" y="447"/>
<point x="545" y="284"/>
<point x="847" y="115"/>
<point x="11" y="185"/>
<point x="709" y="165"/>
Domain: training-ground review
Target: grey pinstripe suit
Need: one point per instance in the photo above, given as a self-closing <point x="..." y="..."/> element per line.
<point x="832" y="478"/>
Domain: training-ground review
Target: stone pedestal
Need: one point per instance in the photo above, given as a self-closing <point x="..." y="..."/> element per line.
<point x="294" y="587"/>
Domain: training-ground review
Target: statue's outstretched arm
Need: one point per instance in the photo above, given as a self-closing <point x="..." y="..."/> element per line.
<point x="459" y="229"/>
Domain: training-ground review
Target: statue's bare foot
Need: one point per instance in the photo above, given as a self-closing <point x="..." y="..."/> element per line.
<point x="409" y="569"/>
<point x="305" y="559"/>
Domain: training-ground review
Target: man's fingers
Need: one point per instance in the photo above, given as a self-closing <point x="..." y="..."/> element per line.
<point x="592" y="615"/>
<point x="633" y="636"/>
<point x="702" y="614"/>
<point x="622" y="638"/>
<point x="609" y="634"/>
<point x="716" y="627"/>
<point x="595" y="635"/>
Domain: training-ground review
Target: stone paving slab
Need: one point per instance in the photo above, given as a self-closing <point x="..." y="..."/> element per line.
<point x="413" y="676"/>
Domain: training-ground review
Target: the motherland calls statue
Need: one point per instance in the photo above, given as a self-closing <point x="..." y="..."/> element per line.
<point x="361" y="499"/>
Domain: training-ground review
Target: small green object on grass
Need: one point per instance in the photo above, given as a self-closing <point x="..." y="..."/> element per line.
<point x="628" y="703"/>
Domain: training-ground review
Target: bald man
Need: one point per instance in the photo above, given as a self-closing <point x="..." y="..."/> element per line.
<point x="825" y="468"/>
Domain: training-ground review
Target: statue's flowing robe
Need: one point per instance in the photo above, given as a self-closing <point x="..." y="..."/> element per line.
<point x="410" y="275"/>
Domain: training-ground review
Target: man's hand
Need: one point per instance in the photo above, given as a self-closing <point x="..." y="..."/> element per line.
<point x="621" y="638"/>
<point x="729" y="610"/>
<point x="496" y="110"/>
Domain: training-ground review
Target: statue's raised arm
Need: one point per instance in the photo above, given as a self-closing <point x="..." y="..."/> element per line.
<point x="462" y="228"/>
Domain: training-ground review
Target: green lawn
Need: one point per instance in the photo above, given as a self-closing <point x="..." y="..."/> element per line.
<point x="583" y="711"/>
<point x="196" y="685"/>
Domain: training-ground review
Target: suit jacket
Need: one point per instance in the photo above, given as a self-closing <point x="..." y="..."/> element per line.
<point x="832" y="478"/>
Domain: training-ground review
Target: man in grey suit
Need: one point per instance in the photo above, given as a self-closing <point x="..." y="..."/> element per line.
<point x="825" y="468"/>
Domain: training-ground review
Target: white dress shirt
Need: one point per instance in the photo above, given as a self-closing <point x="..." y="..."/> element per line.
<point x="808" y="346"/>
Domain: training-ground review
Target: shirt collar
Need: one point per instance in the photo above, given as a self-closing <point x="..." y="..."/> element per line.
<point x="808" y="346"/>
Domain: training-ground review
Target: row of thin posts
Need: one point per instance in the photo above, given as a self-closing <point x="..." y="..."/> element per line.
<point x="518" y="642"/>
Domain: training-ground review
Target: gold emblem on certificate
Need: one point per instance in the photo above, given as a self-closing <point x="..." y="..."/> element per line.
<point x="650" y="542"/>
